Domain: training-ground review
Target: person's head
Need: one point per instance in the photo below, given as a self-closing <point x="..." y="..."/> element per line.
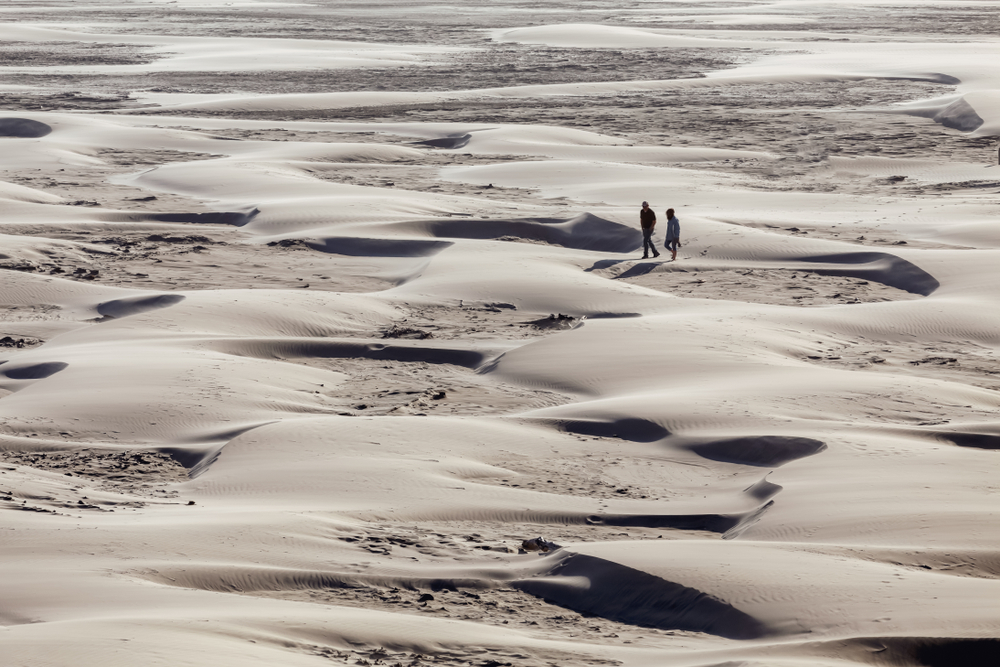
<point x="645" y="204"/>
<point x="670" y="212"/>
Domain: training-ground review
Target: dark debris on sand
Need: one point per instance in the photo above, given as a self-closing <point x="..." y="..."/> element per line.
<point x="104" y="465"/>
<point x="191" y="238"/>
<point x="555" y="321"/>
<point x="407" y="332"/>
<point x="289" y="243"/>
<point x="9" y="341"/>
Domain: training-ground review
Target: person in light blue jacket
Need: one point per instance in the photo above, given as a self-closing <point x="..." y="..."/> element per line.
<point x="673" y="233"/>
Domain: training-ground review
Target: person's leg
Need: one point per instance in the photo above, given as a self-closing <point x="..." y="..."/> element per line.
<point x="672" y="247"/>
<point x="647" y="241"/>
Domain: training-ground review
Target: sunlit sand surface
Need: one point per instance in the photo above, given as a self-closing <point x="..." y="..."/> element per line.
<point x="325" y="336"/>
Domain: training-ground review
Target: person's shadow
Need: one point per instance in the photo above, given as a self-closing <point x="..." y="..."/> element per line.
<point x="640" y="269"/>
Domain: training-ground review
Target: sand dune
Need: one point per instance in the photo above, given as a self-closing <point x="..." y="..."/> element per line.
<point x="325" y="336"/>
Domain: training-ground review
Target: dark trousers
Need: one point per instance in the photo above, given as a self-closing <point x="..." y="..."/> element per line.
<point x="671" y="245"/>
<point x="647" y="241"/>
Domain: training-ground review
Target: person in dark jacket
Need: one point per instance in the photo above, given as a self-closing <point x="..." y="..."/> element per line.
<point x="648" y="221"/>
<point x="673" y="241"/>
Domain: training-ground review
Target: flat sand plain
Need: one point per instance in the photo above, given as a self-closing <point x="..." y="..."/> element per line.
<point x="325" y="336"/>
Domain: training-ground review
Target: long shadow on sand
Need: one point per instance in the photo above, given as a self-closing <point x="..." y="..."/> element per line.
<point x="581" y="232"/>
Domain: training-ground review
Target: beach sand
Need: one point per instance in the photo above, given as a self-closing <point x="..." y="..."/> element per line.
<point x="325" y="336"/>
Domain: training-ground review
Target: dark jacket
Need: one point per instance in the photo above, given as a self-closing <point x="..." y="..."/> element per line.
<point x="647" y="218"/>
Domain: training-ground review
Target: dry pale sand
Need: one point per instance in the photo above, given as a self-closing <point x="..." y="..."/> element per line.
<point x="325" y="337"/>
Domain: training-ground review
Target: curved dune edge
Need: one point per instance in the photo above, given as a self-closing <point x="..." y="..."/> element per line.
<point x="241" y="578"/>
<point x="934" y="651"/>
<point x="761" y="451"/>
<point x="119" y="308"/>
<point x="349" y="349"/>
<point x="596" y="586"/>
<point x="23" y="128"/>
<point x="632" y="429"/>
<point x="729" y="525"/>
<point x="581" y="232"/>
<point x="879" y="267"/>
<point x="38" y="371"/>
<point x="972" y="439"/>
<point x="372" y="247"/>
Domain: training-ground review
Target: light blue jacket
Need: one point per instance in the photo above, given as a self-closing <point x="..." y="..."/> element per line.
<point x="673" y="228"/>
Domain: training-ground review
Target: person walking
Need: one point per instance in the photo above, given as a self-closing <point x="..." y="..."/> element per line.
<point x="647" y="218"/>
<point x="673" y="241"/>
